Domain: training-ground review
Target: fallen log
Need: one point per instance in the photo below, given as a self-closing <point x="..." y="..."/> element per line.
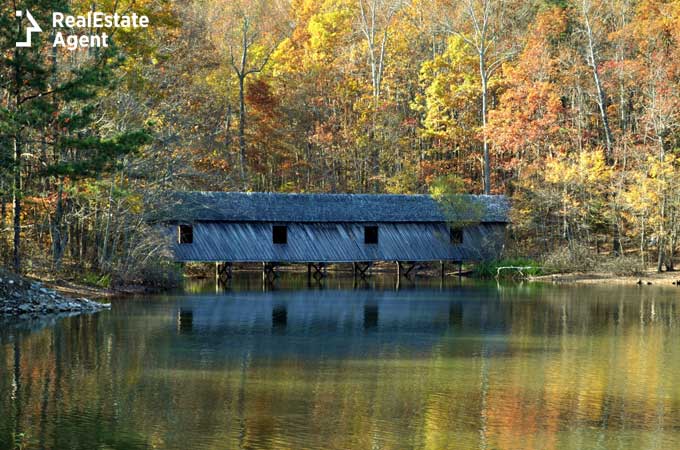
<point x="519" y="269"/>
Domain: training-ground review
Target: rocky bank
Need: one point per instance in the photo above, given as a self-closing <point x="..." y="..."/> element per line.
<point x="24" y="298"/>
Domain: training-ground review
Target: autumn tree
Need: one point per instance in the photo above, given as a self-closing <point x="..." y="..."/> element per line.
<point x="251" y="33"/>
<point x="481" y="25"/>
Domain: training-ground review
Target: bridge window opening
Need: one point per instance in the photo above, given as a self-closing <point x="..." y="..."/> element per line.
<point x="280" y="234"/>
<point x="370" y="234"/>
<point x="185" y="234"/>
<point x="456" y="235"/>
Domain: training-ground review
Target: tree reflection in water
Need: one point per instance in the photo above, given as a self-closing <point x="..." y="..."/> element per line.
<point x="471" y="366"/>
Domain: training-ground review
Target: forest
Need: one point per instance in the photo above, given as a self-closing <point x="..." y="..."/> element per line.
<point x="569" y="107"/>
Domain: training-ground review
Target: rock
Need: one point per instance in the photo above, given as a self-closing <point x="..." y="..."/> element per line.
<point x="28" y="298"/>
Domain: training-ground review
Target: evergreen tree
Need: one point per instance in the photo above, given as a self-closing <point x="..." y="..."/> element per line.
<point x="51" y="112"/>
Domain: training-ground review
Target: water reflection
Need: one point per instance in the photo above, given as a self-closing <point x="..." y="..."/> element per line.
<point x="455" y="314"/>
<point x="185" y="320"/>
<point x="471" y="366"/>
<point x="370" y="316"/>
<point x="279" y="317"/>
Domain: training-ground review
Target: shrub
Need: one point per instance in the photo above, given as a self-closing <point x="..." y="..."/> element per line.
<point x="147" y="262"/>
<point x="576" y="259"/>
<point x="489" y="269"/>
<point x="622" y="266"/>
<point x="156" y="272"/>
<point x="96" y="279"/>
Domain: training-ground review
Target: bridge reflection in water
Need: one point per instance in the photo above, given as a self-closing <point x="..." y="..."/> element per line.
<point x="333" y="322"/>
<point x="477" y="366"/>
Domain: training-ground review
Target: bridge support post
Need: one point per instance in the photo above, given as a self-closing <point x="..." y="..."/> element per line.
<point x="442" y="274"/>
<point x="223" y="272"/>
<point x="362" y="269"/>
<point x="405" y="268"/>
<point x="269" y="271"/>
<point x="319" y="271"/>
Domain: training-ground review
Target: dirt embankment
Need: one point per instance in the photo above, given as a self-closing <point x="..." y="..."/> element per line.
<point x="650" y="277"/>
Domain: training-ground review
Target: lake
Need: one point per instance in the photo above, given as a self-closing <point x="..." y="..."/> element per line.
<point x="429" y="366"/>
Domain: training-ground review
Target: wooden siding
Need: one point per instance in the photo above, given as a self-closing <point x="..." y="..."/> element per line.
<point x="336" y="242"/>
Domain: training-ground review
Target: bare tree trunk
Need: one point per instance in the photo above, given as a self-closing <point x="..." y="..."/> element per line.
<point x="57" y="235"/>
<point x="3" y="222"/>
<point x="672" y="240"/>
<point x="56" y="228"/>
<point x="369" y="27"/>
<point x="482" y="39"/>
<point x="376" y="41"/>
<point x="104" y="252"/>
<point x="16" y="192"/>
<point x="242" y="71"/>
<point x="487" y="162"/>
<point x="601" y="95"/>
<point x="242" y="126"/>
<point x="642" y="244"/>
<point x="662" y="223"/>
<point x="16" y="185"/>
<point x="227" y="131"/>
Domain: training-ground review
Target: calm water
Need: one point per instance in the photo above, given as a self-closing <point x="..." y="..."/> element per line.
<point x="434" y="367"/>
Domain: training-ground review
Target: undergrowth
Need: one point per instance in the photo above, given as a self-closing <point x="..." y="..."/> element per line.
<point x="489" y="269"/>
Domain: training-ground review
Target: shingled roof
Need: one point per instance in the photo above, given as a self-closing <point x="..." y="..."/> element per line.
<point x="307" y="208"/>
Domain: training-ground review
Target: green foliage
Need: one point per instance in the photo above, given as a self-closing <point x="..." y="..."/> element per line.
<point x="458" y="209"/>
<point x="96" y="279"/>
<point x="447" y="185"/>
<point x="98" y="155"/>
<point x="489" y="269"/>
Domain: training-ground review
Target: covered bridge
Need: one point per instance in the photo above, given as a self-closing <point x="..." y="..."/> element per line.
<point x="274" y="228"/>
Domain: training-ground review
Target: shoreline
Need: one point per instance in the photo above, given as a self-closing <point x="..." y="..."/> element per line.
<point x="70" y="288"/>
<point x="650" y="277"/>
<point x="25" y="298"/>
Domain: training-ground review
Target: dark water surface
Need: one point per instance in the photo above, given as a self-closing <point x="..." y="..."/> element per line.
<point x="471" y="366"/>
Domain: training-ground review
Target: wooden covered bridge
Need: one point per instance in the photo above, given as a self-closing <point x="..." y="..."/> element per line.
<point x="320" y="229"/>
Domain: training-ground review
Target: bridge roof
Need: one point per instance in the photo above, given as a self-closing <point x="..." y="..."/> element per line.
<point x="348" y="208"/>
